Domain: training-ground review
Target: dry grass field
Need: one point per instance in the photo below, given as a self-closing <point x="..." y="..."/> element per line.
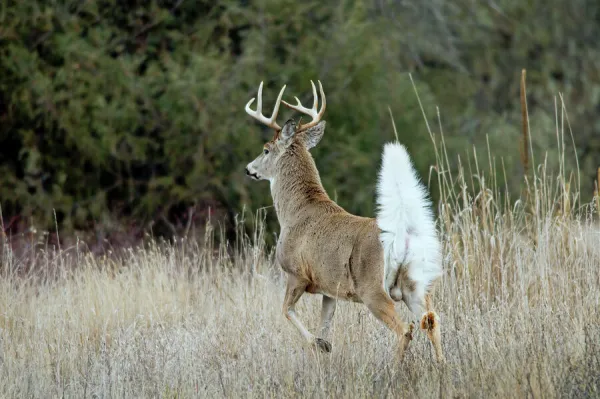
<point x="519" y="307"/>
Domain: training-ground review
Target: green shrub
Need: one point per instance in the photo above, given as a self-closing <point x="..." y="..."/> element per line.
<point x="118" y="113"/>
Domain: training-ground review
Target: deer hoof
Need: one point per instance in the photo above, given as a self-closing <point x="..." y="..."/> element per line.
<point x="323" y="345"/>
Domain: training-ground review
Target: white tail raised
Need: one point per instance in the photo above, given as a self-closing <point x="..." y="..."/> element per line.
<point x="408" y="232"/>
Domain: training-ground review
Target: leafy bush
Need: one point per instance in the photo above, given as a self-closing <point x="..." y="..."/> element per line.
<point x="120" y="114"/>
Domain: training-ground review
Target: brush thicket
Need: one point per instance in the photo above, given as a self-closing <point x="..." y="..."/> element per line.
<point x="518" y="307"/>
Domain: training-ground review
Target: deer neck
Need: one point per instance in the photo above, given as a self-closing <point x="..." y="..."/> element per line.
<point x="297" y="185"/>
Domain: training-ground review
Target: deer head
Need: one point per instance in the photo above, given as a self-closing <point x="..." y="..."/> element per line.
<point x="265" y="166"/>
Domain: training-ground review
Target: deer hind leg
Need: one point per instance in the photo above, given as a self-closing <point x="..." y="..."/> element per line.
<point x="327" y="311"/>
<point x="382" y="307"/>
<point x="295" y="289"/>
<point x="420" y="304"/>
<point x="431" y="324"/>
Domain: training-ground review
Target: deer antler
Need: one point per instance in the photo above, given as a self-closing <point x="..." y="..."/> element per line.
<point x="316" y="116"/>
<point x="271" y="122"/>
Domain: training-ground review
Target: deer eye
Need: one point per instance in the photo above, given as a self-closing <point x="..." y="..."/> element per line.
<point x="266" y="151"/>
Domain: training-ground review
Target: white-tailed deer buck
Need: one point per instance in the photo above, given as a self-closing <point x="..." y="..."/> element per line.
<point x="326" y="250"/>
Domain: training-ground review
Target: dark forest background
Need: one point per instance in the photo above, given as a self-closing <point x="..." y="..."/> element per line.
<point x="122" y="118"/>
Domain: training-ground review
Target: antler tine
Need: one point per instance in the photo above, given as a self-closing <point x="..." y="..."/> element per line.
<point x="316" y="116"/>
<point x="316" y="98"/>
<point x="322" y="111"/>
<point x="270" y="122"/>
<point x="259" y="103"/>
<point x="277" y="104"/>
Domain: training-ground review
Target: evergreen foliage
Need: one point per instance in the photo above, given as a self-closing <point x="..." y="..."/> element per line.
<point x="131" y="113"/>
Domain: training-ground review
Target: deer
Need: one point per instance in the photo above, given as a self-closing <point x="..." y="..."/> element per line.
<point x="323" y="249"/>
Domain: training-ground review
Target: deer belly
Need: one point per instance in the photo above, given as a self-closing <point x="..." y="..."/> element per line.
<point x="341" y="294"/>
<point x="313" y="289"/>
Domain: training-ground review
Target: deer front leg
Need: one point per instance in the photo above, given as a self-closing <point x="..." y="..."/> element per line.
<point x="327" y="311"/>
<point x="295" y="289"/>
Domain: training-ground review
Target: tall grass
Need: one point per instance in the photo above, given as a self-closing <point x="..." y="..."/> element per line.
<point x="519" y="307"/>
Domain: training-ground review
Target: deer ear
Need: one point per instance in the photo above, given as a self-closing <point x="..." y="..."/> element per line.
<point x="312" y="136"/>
<point x="288" y="131"/>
